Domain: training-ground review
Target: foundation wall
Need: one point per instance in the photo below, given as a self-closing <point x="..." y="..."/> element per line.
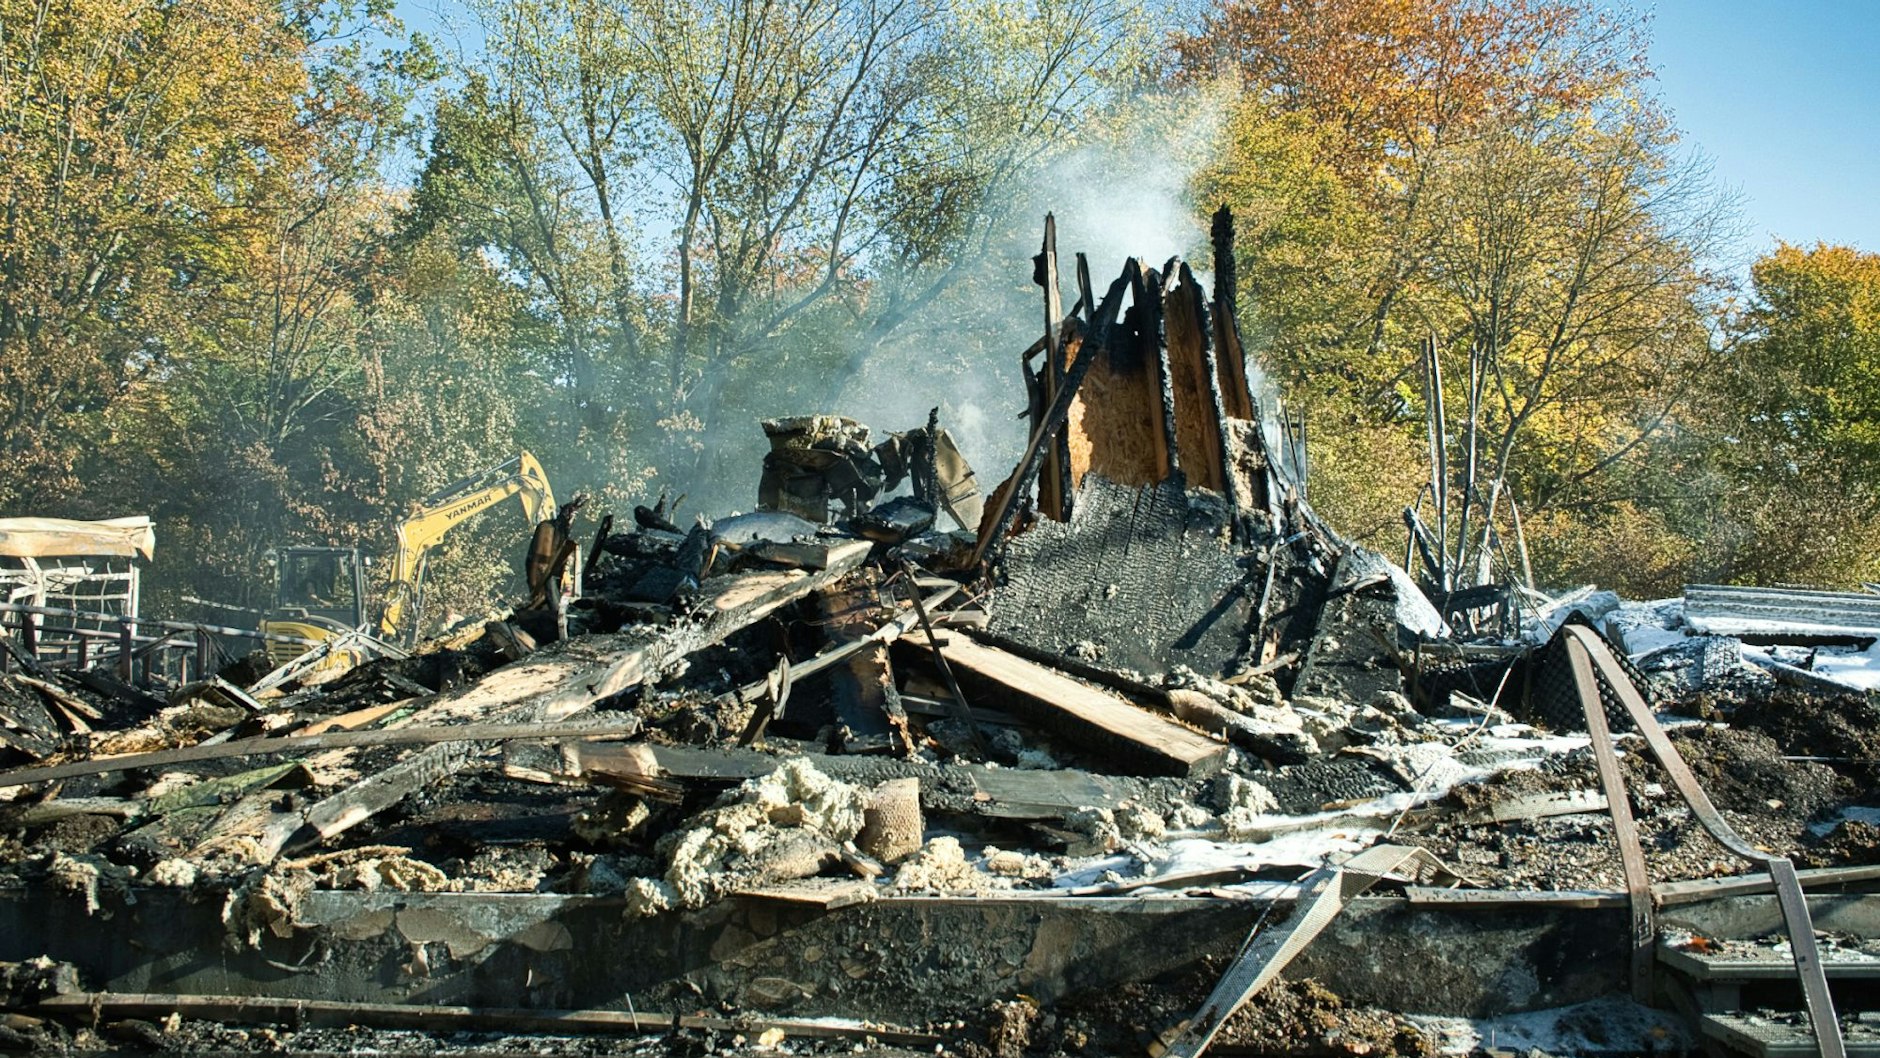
<point x="901" y="960"/>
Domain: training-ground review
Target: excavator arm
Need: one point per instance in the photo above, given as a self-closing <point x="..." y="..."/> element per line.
<point x="444" y="510"/>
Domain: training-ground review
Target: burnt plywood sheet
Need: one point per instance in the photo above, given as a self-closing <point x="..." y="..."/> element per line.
<point x="1147" y="576"/>
<point x="1115" y="425"/>
<point x="1198" y="411"/>
<point x="1351" y="653"/>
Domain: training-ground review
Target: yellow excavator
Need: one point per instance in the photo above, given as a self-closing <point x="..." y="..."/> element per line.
<point x="320" y="591"/>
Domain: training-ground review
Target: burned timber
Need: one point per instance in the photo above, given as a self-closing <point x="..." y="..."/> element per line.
<point x="1128" y="753"/>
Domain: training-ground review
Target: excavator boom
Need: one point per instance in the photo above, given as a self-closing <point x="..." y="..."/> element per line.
<point x="444" y="510"/>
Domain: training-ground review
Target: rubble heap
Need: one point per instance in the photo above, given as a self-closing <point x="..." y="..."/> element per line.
<point x="893" y="750"/>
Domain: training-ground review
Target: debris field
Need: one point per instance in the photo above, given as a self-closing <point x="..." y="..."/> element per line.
<point x="1125" y="752"/>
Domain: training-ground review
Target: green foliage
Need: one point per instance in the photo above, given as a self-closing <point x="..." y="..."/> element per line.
<point x="631" y="229"/>
<point x="139" y="145"/>
<point x="1795" y="411"/>
<point x="1631" y="548"/>
<point x="725" y="211"/>
<point x="1493" y="178"/>
<point x="1811" y="361"/>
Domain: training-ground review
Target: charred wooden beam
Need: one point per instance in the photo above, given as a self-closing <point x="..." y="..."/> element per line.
<point x="864" y="700"/>
<point x="1140" y="741"/>
<point x="264" y="747"/>
<point x="1007" y="498"/>
<point x="1054" y="486"/>
<point x="337" y="1014"/>
<point x="1200" y="418"/>
<point x="1236" y="394"/>
<point x="995" y="793"/>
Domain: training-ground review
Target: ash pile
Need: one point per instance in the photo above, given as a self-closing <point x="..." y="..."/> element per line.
<point x="894" y="757"/>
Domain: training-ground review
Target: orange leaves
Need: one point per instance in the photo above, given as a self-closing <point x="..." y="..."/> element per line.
<point x="1400" y="76"/>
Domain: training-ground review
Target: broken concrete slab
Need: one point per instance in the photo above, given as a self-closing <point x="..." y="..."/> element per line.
<point x="874" y="959"/>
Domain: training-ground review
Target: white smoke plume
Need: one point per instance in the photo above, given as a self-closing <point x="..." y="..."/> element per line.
<point x="1125" y="193"/>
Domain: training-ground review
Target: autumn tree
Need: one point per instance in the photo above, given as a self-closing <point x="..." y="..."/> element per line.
<point x="1490" y="175"/>
<point x="1793" y="424"/>
<point x="1565" y="274"/>
<point x="723" y="208"/>
<point x="1401" y="80"/>
<point x="140" y="146"/>
<point x="496" y="194"/>
<point x="216" y="170"/>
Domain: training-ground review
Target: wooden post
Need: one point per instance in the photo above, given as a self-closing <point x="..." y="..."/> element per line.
<point x="1200" y="421"/>
<point x="1053" y="494"/>
<point x="84" y="653"/>
<point x="202" y="654"/>
<point x="126" y="645"/>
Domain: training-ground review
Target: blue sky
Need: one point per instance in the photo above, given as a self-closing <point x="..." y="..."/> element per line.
<point x="1784" y="97"/>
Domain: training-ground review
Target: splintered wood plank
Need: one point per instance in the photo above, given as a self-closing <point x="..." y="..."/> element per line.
<point x="356" y="719"/>
<point x="1015" y="793"/>
<point x="1145" y="316"/>
<point x="1139" y="741"/>
<point x="825" y="893"/>
<point x="557" y="682"/>
<point x="1122" y="424"/>
<point x="999" y="793"/>
<point x="1197" y="392"/>
<point x="1115" y="425"/>
<point x="1053" y="496"/>
<point x="1236" y="394"/>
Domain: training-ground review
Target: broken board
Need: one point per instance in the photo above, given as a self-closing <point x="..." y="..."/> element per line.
<point x="556" y="683"/>
<point x="1198" y="411"/>
<point x="999" y="793"/>
<point x="1139" y="741"/>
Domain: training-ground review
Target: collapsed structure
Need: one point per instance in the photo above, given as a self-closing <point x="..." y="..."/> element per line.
<point x="1082" y="765"/>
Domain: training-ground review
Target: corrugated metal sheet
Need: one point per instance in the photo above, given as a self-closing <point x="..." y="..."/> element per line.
<point x="1719" y="609"/>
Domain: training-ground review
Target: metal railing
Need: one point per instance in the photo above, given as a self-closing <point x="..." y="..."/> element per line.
<point x="142" y="650"/>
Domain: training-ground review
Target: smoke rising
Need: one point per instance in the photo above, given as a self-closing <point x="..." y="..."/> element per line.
<point x="1125" y="192"/>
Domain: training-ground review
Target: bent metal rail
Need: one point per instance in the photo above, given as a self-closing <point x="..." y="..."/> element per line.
<point x="1586" y="651"/>
<point x="142" y="648"/>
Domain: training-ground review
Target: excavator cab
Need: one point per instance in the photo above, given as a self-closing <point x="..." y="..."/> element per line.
<point x="318" y="592"/>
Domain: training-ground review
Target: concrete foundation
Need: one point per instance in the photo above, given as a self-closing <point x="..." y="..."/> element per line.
<point x="905" y="960"/>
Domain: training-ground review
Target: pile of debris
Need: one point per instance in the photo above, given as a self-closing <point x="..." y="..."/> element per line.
<point x="890" y="758"/>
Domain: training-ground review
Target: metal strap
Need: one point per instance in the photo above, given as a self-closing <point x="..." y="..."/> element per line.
<point x="1327" y="891"/>
<point x="1631" y="855"/>
<point x="1801" y="927"/>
